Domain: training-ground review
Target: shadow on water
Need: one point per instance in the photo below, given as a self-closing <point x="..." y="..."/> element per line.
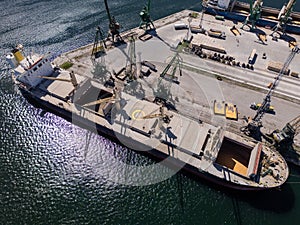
<point x="276" y="200"/>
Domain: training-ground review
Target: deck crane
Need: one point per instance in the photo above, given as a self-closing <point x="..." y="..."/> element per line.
<point x="284" y="17"/>
<point x="72" y="79"/>
<point x="287" y="134"/>
<point x="161" y="115"/>
<point x="114" y="26"/>
<point x="115" y="99"/>
<point x="166" y="79"/>
<point x="146" y="21"/>
<point x="161" y="119"/>
<point x="253" y="126"/>
<point x="255" y="11"/>
<point x="99" y="43"/>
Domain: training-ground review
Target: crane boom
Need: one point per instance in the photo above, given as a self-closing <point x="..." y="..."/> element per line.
<point x="114" y="26"/>
<point x="253" y="125"/>
<point x="266" y="102"/>
<point x="168" y="76"/>
<point x="108" y="12"/>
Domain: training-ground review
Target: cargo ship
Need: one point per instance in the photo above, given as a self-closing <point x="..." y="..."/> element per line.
<point x="268" y="17"/>
<point x="143" y="125"/>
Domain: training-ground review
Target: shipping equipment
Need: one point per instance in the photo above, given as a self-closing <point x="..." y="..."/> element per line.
<point x="219" y="108"/>
<point x="114" y="27"/>
<point x="253" y="126"/>
<point x="99" y="43"/>
<point x="166" y="79"/>
<point x="72" y="79"/>
<point x="285" y="137"/>
<point x="146" y="21"/>
<point x="255" y="106"/>
<point x="216" y="33"/>
<point x="231" y="111"/>
<point x="284" y="17"/>
<point x="255" y="11"/>
<point x="163" y="117"/>
<point x="129" y="72"/>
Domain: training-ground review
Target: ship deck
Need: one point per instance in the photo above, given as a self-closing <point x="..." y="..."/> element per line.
<point x="186" y="140"/>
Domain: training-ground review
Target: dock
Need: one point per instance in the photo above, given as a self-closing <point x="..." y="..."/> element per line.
<point x="220" y="71"/>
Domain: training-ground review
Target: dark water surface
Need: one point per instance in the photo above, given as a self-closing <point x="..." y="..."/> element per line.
<point x="52" y="172"/>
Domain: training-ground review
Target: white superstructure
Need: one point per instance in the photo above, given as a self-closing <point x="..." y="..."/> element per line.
<point x="220" y="4"/>
<point x="29" y="70"/>
<point x="223" y="4"/>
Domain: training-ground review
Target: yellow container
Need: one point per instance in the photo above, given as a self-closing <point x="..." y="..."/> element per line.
<point x="18" y="56"/>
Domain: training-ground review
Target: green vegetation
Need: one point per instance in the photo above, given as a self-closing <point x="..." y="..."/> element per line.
<point x="182" y="45"/>
<point x="193" y="15"/>
<point x="185" y="44"/>
<point x="66" y="65"/>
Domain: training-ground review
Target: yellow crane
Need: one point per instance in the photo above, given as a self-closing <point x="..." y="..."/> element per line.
<point x="72" y="79"/>
<point x="162" y="115"/>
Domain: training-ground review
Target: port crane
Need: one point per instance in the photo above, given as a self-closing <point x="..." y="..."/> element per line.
<point x="255" y="11"/>
<point x="129" y="72"/>
<point x="163" y="90"/>
<point x="114" y="27"/>
<point x="146" y="21"/>
<point x="253" y="126"/>
<point x="99" y="43"/>
<point x="284" y="17"/>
